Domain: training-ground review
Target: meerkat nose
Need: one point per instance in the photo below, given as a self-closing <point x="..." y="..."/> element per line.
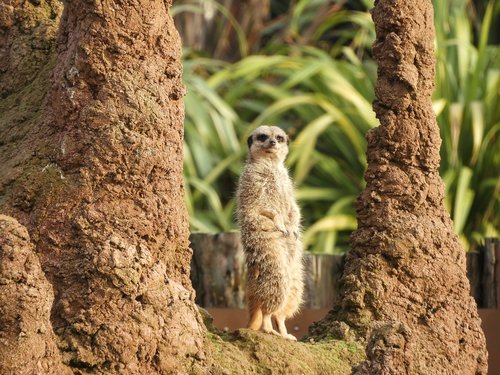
<point x="273" y="142"/>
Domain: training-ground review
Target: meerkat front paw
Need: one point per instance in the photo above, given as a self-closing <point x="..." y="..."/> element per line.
<point x="267" y="225"/>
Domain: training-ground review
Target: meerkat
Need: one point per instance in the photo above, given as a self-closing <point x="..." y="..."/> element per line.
<point x="269" y="220"/>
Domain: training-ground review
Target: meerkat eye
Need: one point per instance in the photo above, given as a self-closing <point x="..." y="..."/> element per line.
<point x="262" y="137"/>
<point x="280" y="139"/>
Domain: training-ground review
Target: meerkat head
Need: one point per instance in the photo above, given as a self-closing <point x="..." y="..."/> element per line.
<point x="268" y="142"/>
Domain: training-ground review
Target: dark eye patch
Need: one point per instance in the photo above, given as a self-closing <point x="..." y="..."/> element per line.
<point x="262" y="137"/>
<point x="280" y="139"/>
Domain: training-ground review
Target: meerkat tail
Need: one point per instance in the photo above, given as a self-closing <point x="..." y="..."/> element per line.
<point x="255" y="321"/>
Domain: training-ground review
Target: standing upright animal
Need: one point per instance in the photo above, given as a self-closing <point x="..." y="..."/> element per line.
<point x="269" y="220"/>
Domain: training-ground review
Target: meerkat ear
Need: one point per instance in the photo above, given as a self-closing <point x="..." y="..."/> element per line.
<point x="249" y="141"/>
<point x="287" y="140"/>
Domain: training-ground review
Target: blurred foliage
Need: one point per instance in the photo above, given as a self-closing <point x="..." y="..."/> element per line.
<point x="315" y="78"/>
<point x="468" y="108"/>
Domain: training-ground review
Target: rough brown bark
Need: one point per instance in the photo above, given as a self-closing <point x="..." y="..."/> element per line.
<point x="27" y="39"/>
<point x="100" y="187"/>
<point x="404" y="285"/>
<point x="124" y="296"/>
<point x="27" y="342"/>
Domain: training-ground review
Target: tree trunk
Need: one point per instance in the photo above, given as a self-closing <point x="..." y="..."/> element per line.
<point x="404" y="286"/>
<point x="28" y="344"/>
<point x="99" y="187"/>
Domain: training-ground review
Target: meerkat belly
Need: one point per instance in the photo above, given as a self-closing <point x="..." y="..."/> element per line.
<point x="280" y="196"/>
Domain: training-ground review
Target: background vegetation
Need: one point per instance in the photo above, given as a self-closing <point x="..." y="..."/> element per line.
<point x="306" y="66"/>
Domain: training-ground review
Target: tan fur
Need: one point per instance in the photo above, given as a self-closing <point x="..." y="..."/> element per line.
<point x="269" y="219"/>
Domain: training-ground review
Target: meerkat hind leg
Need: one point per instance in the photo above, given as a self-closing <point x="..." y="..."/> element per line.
<point x="280" y="322"/>
<point x="255" y="321"/>
<point x="267" y="325"/>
